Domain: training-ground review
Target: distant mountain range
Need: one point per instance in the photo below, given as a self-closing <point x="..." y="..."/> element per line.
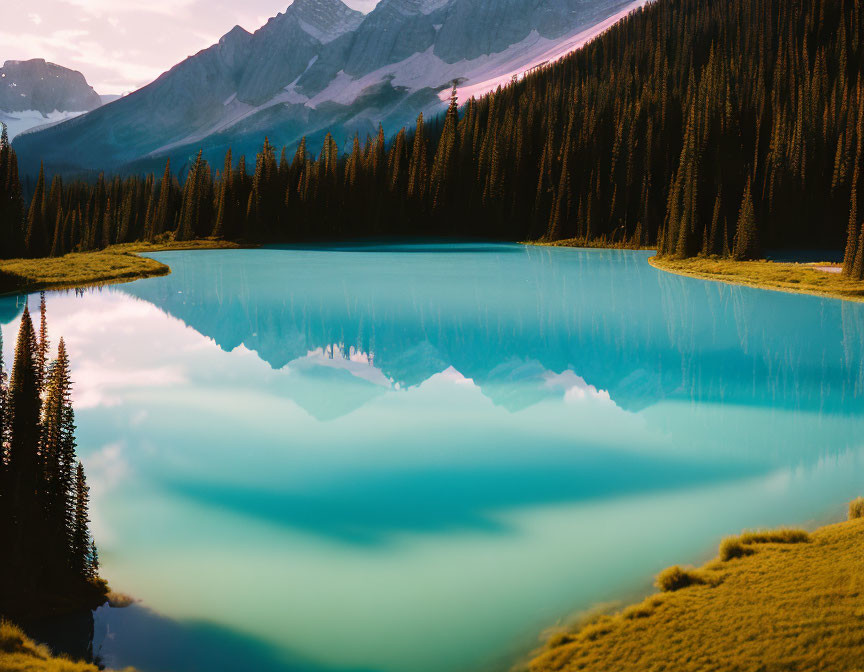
<point x="34" y="93"/>
<point x="320" y="66"/>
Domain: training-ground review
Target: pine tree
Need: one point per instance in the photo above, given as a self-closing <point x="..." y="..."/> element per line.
<point x="43" y="346"/>
<point x="93" y="562"/>
<point x="4" y="418"/>
<point x="417" y="166"/>
<point x="162" y="219"/>
<point x="442" y="175"/>
<point x="746" y="238"/>
<point x="58" y="456"/>
<point x="11" y="204"/>
<point x="851" y="231"/>
<point x="80" y="562"/>
<point x="225" y="209"/>
<point x="23" y="471"/>
<point x="35" y="240"/>
<point x="7" y="529"/>
<point x="193" y="195"/>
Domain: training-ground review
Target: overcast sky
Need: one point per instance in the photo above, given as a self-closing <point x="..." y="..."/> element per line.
<point x="120" y="45"/>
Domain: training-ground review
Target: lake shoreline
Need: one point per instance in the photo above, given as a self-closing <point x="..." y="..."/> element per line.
<point x="123" y="263"/>
<point x="711" y="599"/>
<point x="791" y="278"/>
<point x="717" y="613"/>
<point x="112" y="265"/>
<point x="815" y="279"/>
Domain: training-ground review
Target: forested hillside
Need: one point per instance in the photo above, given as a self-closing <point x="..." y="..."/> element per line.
<point x="700" y="126"/>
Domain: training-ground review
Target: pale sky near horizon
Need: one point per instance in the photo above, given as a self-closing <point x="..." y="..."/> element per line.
<point x="121" y="45"/>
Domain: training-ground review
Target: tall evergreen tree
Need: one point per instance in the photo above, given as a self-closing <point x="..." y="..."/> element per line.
<point x="36" y="237"/>
<point x="11" y="204"/>
<point x="746" y="236"/>
<point x="80" y="555"/>
<point x="43" y="346"/>
<point x="23" y="471"/>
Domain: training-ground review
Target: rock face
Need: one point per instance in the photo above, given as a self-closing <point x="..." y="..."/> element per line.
<point x="319" y="66"/>
<point x="44" y="87"/>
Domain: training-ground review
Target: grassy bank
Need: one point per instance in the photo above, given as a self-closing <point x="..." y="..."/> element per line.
<point x="119" y="263"/>
<point x="770" y="601"/>
<point x="601" y="242"/>
<point x="19" y="653"/>
<point x="784" y="277"/>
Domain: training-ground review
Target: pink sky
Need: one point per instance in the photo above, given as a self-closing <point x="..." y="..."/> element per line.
<point x="121" y="45"/>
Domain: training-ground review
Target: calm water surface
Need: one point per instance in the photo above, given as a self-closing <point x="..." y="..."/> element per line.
<point x="404" y="458"/>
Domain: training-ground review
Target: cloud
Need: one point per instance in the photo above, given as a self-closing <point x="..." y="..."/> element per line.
<point x="106" y="385"/>
<point x="163" y="7"/>
<point x="34" y="18"/>
<point x="106" y="470"/>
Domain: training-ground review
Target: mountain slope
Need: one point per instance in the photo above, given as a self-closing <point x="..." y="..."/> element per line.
<point x="34" y="92"/>
<point x="44" y="87"/>
<point x="316" y="67"/>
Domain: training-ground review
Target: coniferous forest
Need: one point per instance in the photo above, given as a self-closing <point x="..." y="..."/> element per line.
<point x="719" y="127"/>
<point x="49" y="561"/>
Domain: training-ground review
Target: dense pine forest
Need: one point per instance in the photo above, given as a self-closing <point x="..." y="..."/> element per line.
<point x="49" y="561"/>
<point x="702" y="127"/>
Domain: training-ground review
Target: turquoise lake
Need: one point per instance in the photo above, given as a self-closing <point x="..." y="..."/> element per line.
<point x="417" y="457"/>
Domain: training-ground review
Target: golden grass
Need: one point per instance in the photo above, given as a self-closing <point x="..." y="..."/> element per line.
<point x="601" y="242"/>
<point x="119" y="263"/>
<point x="785" y="277"/>
<point x="795" y="602"/>
<point x="675" y="578"/>
<point x="856" y="508"/>
<point x="19" y="653"/>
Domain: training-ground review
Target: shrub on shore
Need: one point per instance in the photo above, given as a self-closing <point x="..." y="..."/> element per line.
<point x="676" y="578"/>
<point x="782" y="536"/>
<point x="738" y="547"/>
<point x="856" y="508"/>
<point x="732" y="547"/>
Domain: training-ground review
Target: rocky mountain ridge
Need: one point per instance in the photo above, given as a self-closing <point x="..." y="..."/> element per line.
<point x="317" y="67"/>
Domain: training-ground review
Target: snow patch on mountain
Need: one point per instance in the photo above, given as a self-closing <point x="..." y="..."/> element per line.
<point x="34" y="120"/>
<point x="476" y="76"/>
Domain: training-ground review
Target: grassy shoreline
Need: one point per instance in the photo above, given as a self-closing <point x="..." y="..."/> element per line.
<point x="793" y="278"/>
<point x="775" y="600"/>
<point x="778" y="276"/>
<point x="19" y="653"/>
<point x="123" y="263"/>
<point x="592" y="243"/>
<point x="115" y="264"/>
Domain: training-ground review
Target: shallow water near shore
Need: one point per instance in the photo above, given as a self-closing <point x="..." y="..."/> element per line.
<point x="404" y="457"/>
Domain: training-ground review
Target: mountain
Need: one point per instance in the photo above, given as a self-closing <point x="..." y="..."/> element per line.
<point x="35" y="92"/>
<point x="320" y="66"/>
